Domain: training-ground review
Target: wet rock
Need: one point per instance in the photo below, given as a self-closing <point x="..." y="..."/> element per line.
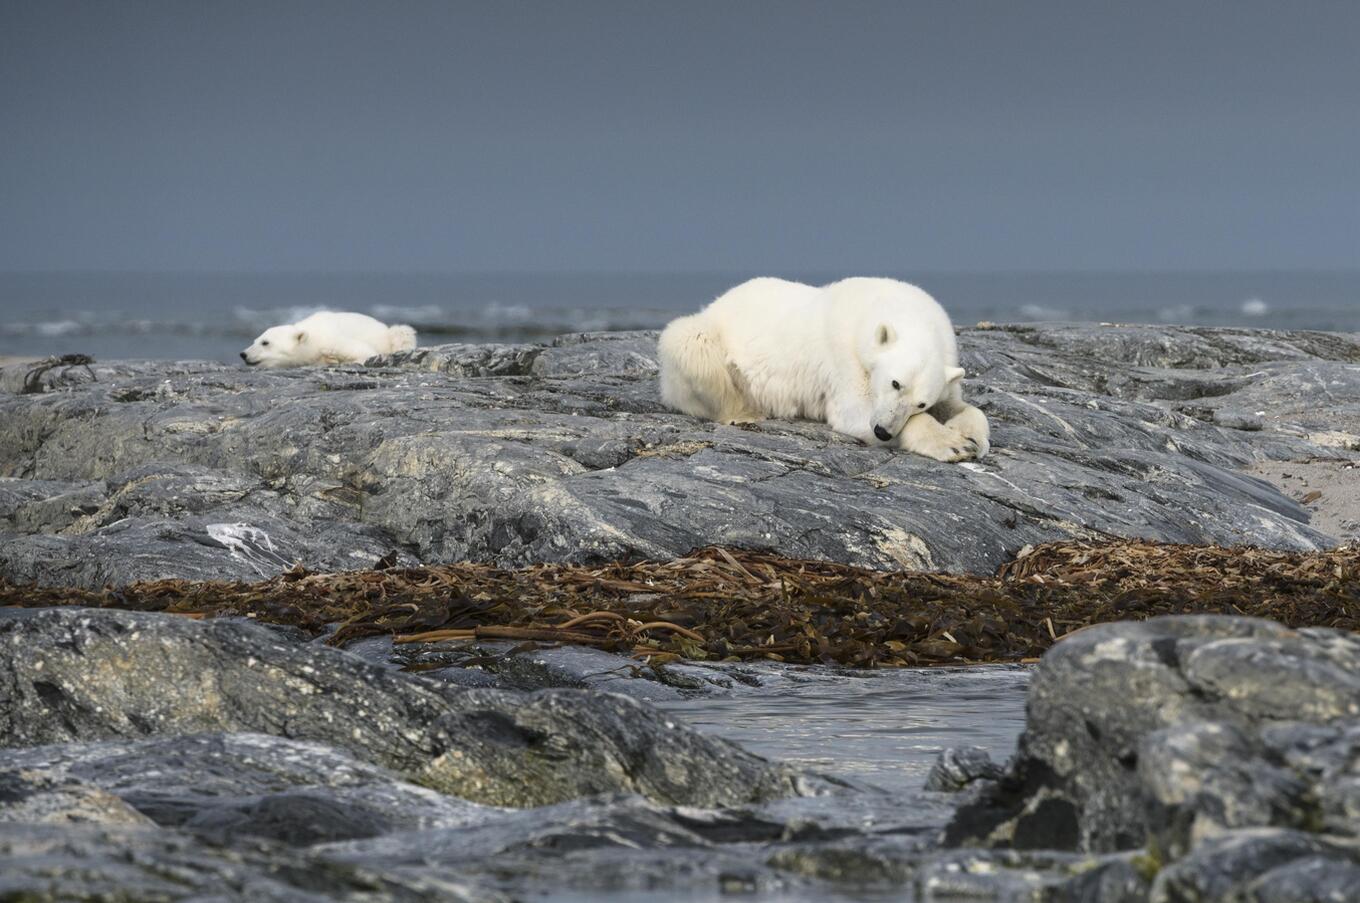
<point x="95" y="863"/>
<point x="230" y="785"/>
<point x="563" y="452"/>
<point x="957" y="767"/>
<point x="510" y="666"/>
<point x="76" y="675"/>
<point x="1174" y="731"/>
<point x="600" y="822"/>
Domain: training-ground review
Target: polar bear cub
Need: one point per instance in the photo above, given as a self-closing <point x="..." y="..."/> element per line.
<point x="874" y="358"/>
<point x="328" y="337"/>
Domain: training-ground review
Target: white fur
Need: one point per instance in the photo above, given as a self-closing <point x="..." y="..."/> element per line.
<point x="773" y="348"/>
<point x="328" y="337"/>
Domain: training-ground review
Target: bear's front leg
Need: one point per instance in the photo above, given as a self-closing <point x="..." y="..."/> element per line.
<point x="972" y="423"/>
<point x="954" y="412"/>
<point x="927" y="436"/>
<point x="852" y="416"/>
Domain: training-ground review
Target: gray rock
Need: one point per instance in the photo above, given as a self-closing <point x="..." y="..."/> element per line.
<point x="1200" y="779"/>
<point x="1328" y="760"/>
<point x="510" y="666"/>
<point x="1255" y="863"/>
<point x="562" y="452"/>
<point x="230" y="785"/>
<point x="42" y="506"/>
<point x="1311" y="879"/>
<point x="466" y="360"/>
<point x="1175" y="730"/>
<point x="957" y="767"/>
<point x="77" y="675"/>
<point x="98" y="863"/>
<point x="29" y="796"/>
<point x="606" y="821"/>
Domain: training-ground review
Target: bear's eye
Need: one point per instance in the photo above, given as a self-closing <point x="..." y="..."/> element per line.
<point x="264" y="343"/>
<point x="921" y="404"/>
<point x="897" y="385"/>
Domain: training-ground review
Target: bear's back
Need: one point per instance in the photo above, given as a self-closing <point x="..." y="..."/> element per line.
<point x="915" y="315"/>
<point x="766" y="314"/>
<point x="343" y="324"/>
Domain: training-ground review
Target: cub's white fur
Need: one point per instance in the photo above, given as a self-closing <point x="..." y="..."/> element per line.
<point x="874" y="358"/>
<point x="328" y="337"/>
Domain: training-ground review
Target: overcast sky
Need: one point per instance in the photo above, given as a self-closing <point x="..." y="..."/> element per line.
<point x="642" y="136"/>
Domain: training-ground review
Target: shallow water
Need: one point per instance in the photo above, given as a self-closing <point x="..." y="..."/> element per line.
<point x="879" y="729"/>
<point x="884" y="728"/>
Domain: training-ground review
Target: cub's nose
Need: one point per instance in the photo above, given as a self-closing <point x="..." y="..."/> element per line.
<point x="882" y="434"/>
<point x="243" y="356"/>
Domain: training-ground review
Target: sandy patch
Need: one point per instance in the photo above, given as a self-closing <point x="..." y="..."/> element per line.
<point x="7" y="360"/>
<point x="1330" y="490"/>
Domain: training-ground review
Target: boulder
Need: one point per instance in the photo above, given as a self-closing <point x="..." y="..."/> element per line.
<point x="1170" y="733"/>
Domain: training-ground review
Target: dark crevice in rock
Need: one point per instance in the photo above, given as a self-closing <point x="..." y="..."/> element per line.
<point x="1051" y="825"/>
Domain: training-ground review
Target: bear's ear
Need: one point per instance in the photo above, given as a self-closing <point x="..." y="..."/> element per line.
<point x="884" y="334"/>
<point x="300" y="337"/>
<point x="953" y="374"/>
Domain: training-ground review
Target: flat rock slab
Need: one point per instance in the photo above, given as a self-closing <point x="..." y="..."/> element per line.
<point x="518" y="454"/>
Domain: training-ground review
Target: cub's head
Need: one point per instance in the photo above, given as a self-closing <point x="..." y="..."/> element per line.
<point x="905" y="379"/>
<point x="280" y="346"/>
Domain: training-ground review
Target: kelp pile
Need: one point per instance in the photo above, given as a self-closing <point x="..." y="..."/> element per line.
<point x="728" y="604"/>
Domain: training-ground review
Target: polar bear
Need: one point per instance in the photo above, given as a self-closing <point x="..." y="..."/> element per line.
<point x="328" y="337"/>
<point x="874" y="358"/>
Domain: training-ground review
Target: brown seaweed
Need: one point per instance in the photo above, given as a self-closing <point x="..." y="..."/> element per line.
<point x="731" y="604"/>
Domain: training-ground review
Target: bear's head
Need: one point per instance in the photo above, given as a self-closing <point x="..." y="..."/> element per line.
<point x="280" y="346"/>
<point x="906" y="378"/>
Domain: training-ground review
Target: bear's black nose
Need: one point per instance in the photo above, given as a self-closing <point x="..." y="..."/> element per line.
<point x="882" y="434"/>
<point x="243" y="357"/>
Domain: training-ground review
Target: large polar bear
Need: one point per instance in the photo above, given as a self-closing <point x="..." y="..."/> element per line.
<point x="874" y="358"/>
<point x="328" y="337"/>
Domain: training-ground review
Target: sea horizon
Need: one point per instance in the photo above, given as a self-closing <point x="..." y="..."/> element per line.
<point x="212" y="314"/>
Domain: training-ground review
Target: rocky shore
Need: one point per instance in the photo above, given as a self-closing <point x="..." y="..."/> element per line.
<point x="1188" y="758"/>
<point x="516" y="454"/>
<point x="156" y="756"/>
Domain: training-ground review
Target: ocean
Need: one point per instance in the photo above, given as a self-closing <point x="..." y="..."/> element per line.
<point x="213" y="316"/>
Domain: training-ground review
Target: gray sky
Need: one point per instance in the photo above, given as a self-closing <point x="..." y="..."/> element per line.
<point x="785" y="137"/>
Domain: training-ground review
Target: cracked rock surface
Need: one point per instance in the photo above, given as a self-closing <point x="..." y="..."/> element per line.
<point x="114" y="472"/>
